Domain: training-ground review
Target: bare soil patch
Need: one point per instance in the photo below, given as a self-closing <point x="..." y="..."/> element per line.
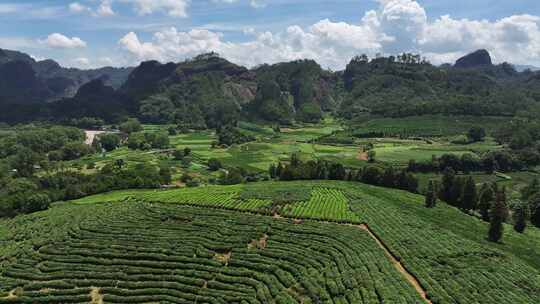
<point x="224" y="257"/>
<point x="362" y="156"/>
<point x="97" y="297"/>
<point x="260" y="243"/>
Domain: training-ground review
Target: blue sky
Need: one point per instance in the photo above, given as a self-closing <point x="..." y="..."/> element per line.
<point x="91" y="33"/>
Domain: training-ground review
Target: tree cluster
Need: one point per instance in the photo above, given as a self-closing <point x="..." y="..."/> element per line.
<point x="297" y="169"/>
<point x="489" y="162"/>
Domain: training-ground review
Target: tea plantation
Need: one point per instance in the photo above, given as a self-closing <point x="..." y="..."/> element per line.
<point x="295" y="242"/>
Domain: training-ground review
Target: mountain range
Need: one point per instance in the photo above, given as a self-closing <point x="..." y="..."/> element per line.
<point x="209" y="91"/>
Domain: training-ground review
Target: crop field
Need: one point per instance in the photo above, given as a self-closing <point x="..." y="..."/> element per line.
<point x="282" y="242"/>
<point x="428" y="126"/>
<point x="324" y="204"/>
<point x="399" y="152"/>
<point x="142" y="253"/>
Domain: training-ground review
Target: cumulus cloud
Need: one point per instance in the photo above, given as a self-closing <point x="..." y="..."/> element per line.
<point x="105" y="8"/>
<point x="57" y="40"/>
<point x="396" y="26"/>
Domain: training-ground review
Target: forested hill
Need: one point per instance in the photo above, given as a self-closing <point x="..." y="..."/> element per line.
<point x="23" y="80"/>
<point x="209" y="91"/>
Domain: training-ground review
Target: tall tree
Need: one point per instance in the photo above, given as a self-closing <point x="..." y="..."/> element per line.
<point x="521" y="214"/>
<point x="431" y="195"/>
<point x="534" y="203"/>
<point x="449" y="175"/>
<point x="469" y="197"/>
<point x="486" y="200"/>
<point x="499" y="213"/>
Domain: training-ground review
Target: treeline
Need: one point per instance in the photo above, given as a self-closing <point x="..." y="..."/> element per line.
<point x="28" y="148"/>
<point x="489" y="202"/>
<point x="35" y="193"/>
<point x="489" y="162"/>
<point x="326" y="170"/>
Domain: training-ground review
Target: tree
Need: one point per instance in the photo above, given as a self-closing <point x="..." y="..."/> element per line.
<point x="109" y="141"/>
<point x="431" y="195"/>
<point x="448" y="178"/>
<point x="35" y="202"/>
<point x="337" y="172"/>
<point x="534" y="205"/>
<point x="165" y="175"/>
<point x="25" y="162"/>
<point x="178" y="154"/>
<point x="160" y="140"/>
<point x="389" y="177"/>
<point x="272" y="171"/>
<point x="456" y="192"/>
<point x="476" y="134"/>
<point x="469" y="197"/>
<point x="521" y="214"/>
<point x="486" y="200"/>
<point x="186" y="162"/>
<point x="371" y="156"/>
<point x="372" y="175"/>
<point x="499" y="213"/>
<point x="119" y="163"/>
<point x="131" y="125"/>
<point x="215" y="164"/>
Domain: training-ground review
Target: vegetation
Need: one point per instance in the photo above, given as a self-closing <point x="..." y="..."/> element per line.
<point x="184" y="246"/>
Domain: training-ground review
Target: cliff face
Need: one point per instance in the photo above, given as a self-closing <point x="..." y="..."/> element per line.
<point x="480" y="58"/>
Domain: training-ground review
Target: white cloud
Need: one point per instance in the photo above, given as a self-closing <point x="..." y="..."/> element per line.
<point x="82" y="61"/>
<point x="57" y="40"/>
<point x="105" y="8"/>
<point x="76" y="7"/>
<point x="396" y="26"/>
<point x="174" y="8"/>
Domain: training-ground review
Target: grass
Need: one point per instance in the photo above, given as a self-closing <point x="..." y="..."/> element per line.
<point x="428" y="125"/>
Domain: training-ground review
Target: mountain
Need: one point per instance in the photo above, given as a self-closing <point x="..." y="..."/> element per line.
<point x="479" y="58"/>
<point x="209" y="91"/>
<point x="45" y="81"/>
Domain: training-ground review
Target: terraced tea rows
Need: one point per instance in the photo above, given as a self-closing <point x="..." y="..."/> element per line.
<point x="325" y="204"/>
<point x="216" y="197"/>
<point x="140" y="253"/>
<point x="452" y="267"/>
<point x="156" y="247"/>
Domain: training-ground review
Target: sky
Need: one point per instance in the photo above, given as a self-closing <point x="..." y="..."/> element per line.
<point x="95" y="33"/>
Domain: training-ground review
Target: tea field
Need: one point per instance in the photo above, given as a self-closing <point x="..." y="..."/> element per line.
<point x="269" y="242"/>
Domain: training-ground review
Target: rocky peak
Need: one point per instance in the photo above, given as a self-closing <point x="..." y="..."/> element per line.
<point x="478" y="58"/>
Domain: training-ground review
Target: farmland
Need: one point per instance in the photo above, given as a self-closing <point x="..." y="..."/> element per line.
<point x="282" y="242"/>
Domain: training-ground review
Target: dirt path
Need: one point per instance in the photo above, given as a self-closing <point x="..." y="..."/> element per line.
<point x="397" y="264"/>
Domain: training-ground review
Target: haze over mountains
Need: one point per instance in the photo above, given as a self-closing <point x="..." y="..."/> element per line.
<point x="208" y="90"/>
